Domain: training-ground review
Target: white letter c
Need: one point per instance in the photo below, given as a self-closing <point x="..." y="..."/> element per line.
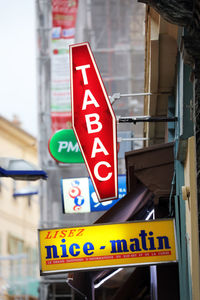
<point x="96" y="171"/>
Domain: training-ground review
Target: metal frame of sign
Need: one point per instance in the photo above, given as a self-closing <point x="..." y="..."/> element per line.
<point x="112" y="114"/>
<point x="58" y="271"/>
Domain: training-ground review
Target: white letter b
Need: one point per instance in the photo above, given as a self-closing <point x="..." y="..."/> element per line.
<point x="97" y="126"/>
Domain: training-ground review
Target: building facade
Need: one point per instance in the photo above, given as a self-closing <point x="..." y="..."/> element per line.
<point x="117" y="41"/>
<point x="19" y="217"/>
<point x="166" y="169"/>
<point x="168" y="165"/>
<point x="172" y="77"/>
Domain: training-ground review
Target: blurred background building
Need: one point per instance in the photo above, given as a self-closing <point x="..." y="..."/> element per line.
<point x="116" y="33"/>
<point x="19" y="217"/>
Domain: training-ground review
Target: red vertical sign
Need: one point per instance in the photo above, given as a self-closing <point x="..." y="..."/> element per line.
<point x="93" y="121"/>
<point x="64" y="16"/>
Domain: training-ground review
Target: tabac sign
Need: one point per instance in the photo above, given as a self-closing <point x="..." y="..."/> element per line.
<point x="102" y="246"/>
<point x="93" y="121"/>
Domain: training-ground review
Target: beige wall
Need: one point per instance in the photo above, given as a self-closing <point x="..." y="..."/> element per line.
<point x="160" y="68"/>
<point x="189" y="192"/>
<point x="19" y="217"/>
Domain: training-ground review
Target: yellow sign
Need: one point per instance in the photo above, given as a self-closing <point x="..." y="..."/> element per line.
<point x="109" y="245"/>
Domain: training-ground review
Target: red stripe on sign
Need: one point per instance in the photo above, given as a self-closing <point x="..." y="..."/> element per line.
<point x="107" y="257"/>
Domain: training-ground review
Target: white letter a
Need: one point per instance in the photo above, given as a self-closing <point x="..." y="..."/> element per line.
<point x="92" y="100"/>
<point x="101" y="148"/>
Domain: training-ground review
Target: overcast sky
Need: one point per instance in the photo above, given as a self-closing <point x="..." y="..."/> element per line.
<point x="18" y="94"/>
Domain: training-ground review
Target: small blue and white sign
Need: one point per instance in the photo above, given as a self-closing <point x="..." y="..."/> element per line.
<point x="78" y="195"/>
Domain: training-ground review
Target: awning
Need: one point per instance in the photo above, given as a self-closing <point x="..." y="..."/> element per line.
<point x="20" y="169"/>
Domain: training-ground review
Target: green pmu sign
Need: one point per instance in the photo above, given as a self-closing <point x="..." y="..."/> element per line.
<point x="64" y="148"/>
